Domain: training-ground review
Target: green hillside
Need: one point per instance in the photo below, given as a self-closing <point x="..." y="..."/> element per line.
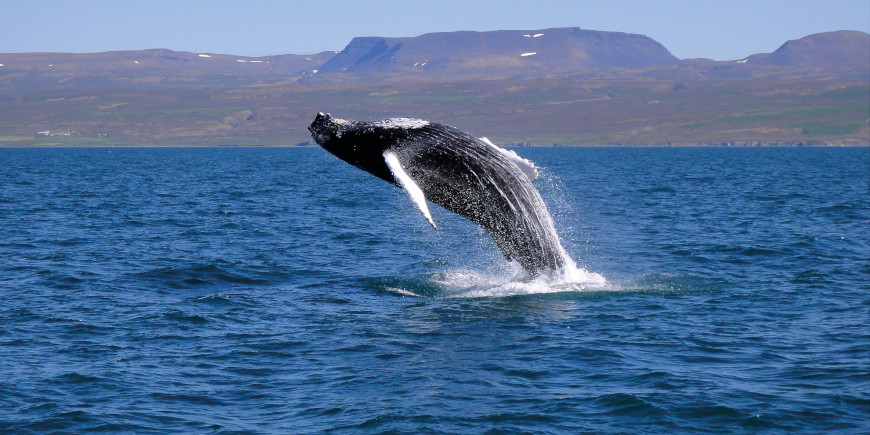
<point x="535" y="111"/>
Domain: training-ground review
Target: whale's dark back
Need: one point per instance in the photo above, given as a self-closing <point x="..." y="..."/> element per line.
<point x="478" y="182"/>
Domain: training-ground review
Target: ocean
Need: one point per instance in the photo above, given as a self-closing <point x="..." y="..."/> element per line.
<point x="255" y="290"/>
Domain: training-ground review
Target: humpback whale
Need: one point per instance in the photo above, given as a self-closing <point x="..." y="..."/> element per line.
<point x="469" y="176"/>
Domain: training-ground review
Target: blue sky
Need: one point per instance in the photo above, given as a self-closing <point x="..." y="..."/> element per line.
<point x="717" y="29"/>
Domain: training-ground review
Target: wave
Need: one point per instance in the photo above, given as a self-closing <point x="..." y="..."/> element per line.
<point x="197" y="275"/>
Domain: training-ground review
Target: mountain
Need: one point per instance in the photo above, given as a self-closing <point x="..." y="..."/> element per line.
<point x="553" y="86"/>
<point x="507" y="53"/>
<point x="843" y="53"/>
<point x="550" y="53"/>
<point x="843" y="50"/>
<point x="146" y="62"/>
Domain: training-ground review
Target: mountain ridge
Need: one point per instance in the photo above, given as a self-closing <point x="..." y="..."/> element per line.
<point x="553" y="52"/>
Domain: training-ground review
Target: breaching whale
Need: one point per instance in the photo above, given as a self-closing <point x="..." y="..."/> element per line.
<point x="469" y="176"/>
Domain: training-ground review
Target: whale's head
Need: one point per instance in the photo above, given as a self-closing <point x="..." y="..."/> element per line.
<point x="326" y="130"/>
<point x="363" y="144"/>
<point x="349" y="141"/>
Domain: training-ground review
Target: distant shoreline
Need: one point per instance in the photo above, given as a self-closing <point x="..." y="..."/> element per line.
<point x="682" y="145"/>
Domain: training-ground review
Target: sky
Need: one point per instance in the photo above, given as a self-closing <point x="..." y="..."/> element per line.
<point x="715" y="29"/>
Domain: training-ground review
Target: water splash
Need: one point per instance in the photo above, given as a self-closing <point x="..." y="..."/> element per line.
<point x="506" y="282"/>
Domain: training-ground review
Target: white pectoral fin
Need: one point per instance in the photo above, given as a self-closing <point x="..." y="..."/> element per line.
<point x="409" y="185"/>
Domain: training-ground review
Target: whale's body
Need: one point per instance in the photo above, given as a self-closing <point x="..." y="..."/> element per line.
<point x="481" y="182"/>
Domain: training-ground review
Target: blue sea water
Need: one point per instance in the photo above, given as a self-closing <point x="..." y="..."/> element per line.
<point x="284" y="291"/>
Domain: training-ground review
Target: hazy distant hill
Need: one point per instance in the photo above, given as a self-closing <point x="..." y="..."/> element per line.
<point x="842" y="50"/>
<point x="147" y="62"/>
<point x="508" y="53"/>
<point x="842" y="54"/>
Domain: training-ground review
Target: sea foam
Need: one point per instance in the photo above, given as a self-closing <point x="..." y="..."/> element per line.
<point x="509" y="281"/>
